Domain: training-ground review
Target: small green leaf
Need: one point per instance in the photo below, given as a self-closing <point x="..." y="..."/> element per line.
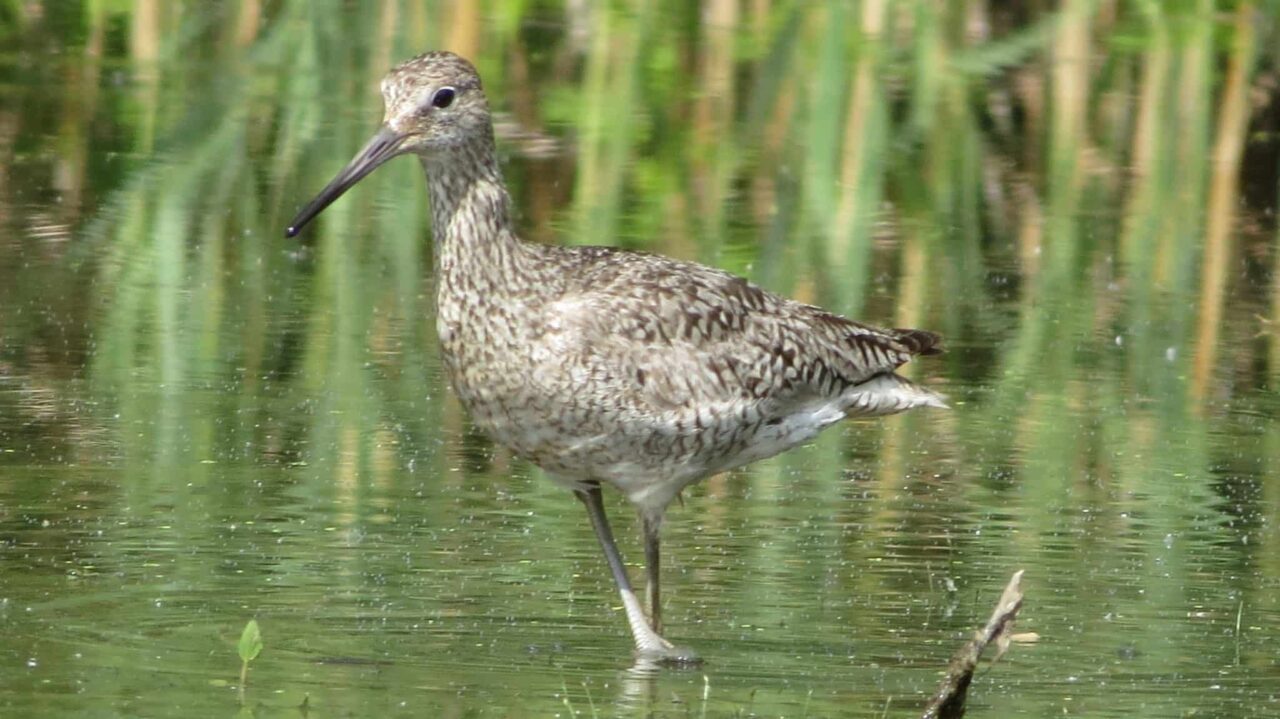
<point x="250" y="642"/>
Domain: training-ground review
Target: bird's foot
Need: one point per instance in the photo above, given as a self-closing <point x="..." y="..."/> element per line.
<point x="664" y="653"/>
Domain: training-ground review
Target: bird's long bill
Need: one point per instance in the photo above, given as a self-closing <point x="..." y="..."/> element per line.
<point x="382" y="147"/>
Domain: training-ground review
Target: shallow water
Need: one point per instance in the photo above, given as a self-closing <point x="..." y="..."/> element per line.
<point x="202" y="422"/>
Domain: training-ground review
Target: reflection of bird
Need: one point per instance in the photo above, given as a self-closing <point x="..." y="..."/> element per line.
<point x="604" y="366"/>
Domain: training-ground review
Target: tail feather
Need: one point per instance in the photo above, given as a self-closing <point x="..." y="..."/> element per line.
<point x="887" y="394"/>
<point x="919" y="342"/>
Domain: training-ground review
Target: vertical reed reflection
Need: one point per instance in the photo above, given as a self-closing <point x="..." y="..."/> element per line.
<point x="1221" y="212"/>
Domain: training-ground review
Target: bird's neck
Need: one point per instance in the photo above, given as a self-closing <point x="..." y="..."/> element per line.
<point x="474" y="237"/>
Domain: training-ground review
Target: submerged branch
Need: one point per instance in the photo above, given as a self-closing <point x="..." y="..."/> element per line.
<point x="948" y="702"/>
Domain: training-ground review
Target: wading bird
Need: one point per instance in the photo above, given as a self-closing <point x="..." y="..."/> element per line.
<point x="610" y="367"/>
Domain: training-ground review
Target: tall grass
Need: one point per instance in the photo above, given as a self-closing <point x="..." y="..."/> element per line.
<point x="1056" y="192"/>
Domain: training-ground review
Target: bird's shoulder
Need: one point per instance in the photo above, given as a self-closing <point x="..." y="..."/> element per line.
<point x="650" y="298"/>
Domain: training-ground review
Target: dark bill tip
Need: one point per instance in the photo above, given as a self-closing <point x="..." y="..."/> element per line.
<point x="382" y="147"/>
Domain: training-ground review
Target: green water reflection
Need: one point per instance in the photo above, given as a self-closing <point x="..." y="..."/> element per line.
<point x="202" y="422"/>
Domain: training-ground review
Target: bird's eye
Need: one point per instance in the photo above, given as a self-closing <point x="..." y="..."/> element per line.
<point x="443" y="98"/>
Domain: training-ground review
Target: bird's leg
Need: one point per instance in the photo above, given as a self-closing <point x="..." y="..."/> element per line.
<point x="652" y="562"/>
<point x="648" y="643"/>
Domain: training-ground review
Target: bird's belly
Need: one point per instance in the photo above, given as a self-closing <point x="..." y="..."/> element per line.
<point x="574" y="413"/>
<point x="574" y="426"/>
<point x="505" y="395"/>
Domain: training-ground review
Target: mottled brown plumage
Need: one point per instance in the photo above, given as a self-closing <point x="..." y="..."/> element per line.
<point x="607" y="366"/>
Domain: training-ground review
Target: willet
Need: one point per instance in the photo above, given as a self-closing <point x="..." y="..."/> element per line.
<point x="604" y="366"/>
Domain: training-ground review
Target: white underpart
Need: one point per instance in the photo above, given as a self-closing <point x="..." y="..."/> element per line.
<point x="889" y="394"/>
<point x="882" y="395"/>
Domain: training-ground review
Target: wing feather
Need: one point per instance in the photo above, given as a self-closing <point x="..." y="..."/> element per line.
<point x="677" y="334"/>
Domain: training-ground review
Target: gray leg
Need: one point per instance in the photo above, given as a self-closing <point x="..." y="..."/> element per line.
<point x="648" y="643"/>
<point x="652" y="563"/>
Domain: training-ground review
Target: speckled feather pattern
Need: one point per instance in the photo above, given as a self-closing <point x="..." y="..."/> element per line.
<point x="632" y="369"/>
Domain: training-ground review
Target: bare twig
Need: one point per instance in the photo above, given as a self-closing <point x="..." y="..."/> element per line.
<point x="948" y="702"/>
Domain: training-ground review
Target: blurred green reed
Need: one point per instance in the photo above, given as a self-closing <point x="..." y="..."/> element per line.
<point x="1052" y="189"/>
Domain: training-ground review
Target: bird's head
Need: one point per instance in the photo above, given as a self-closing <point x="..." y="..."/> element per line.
<point x="434" y="102"/>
